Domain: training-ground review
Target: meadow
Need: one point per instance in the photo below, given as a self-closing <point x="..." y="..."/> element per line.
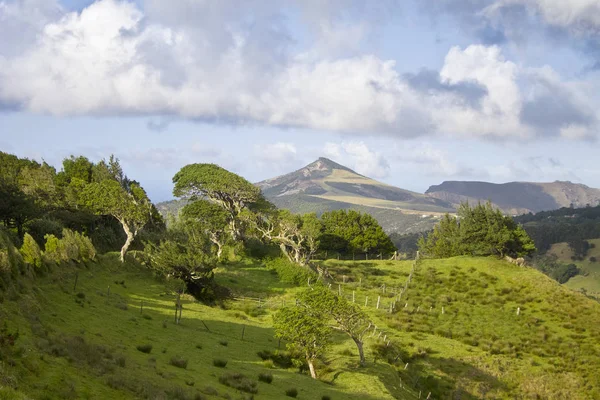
<point x="465" y="328"/>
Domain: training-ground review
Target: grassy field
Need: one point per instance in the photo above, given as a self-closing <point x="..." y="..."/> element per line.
<point x="90" y="341"/>
<point x="590" y="279"/>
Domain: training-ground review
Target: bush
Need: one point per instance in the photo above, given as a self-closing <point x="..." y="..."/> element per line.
<point x="179" y="362"/>
<point x="218" y="362"/>
<point x="325" y="397"/>
<point x="266" y="377"/>
<point x="145" y="348"/>
<point x="239" y="382"/>
<point x="223" y="343"/>
<point x="39" y="228"/>
<point x="289" y="272"/>
<point x="291" y="392"/>
<point x="31" y="252"/>
<point x="52" y="249"/>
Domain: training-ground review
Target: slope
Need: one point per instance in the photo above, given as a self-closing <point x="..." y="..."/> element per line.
<point x="80" y="340"/>
<point x="517" y="197"/>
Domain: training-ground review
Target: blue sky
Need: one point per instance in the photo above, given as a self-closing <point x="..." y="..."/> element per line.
<point x="409" y="92"/>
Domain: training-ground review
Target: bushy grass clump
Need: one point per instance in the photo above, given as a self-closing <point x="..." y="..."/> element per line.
<point x="179" y="362"/>
<point x="266" y="377"/>
<point x="240" y="382"/>
<point x="144" y="348"/>
<point x="219" y="363"/>
<point x="291" y="392"/>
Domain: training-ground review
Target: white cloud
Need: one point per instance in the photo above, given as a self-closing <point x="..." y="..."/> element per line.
<point x="220" y="62"/>
<point x="578" y="15"/>
<point x="358" y="156"/>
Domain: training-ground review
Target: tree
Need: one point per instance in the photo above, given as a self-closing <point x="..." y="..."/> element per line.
<point x="230" y="191"/>
<point x="182" y="255"/>
<point x="348" y="317"/>
<point x="208" y="218"/>
<point x="305" y="333"/>
<point x="296" y="235"/>
<point x="360" y="231"/>
<point x="131" y="208"/>
<point x="31" y="252"/>
<point x="481" y="231"/>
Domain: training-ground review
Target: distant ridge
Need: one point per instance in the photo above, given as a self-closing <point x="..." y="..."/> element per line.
<point x="518" y="197"/>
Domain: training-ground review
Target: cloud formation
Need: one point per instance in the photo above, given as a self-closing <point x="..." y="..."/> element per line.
<point x="244" y="63"/>
<point x="358" y="156"/>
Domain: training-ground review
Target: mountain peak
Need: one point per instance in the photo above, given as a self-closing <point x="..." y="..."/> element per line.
<point x="326" y="164"/>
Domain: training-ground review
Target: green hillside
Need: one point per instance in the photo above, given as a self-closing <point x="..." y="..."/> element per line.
<point x="81" y="342"/>
<point x="589" y="279"/>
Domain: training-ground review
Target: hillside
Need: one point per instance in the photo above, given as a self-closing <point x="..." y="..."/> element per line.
<point x="325" y="185"/>
<point x="589" y="279"/>
<point x="81" y="340"/>
<point x="517" y="197"/>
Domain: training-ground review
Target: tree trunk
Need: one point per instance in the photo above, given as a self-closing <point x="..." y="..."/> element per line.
<point x="361" y="353"/>
<point x="130" y="237"/>
<point x="214" y="239"/>
<point x="285" y="252"/>
<point x="235" y="233"/>
<point x="311" y="367"/>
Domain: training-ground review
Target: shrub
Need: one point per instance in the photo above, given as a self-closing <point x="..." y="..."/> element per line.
<point x="39" y="228"/>
<point x="266" y="377"/>
<point x="325" y="397"/>
<point x="179" y="362"/>
<point x="31" y="252"/>
<point x="69" y="246"/>
<point x="218" y="362"/>
<point x="145" y="348"/>
<point x="87" y="251"/>
<point x="291" y="392"/>
<point x="289" y="272"/>
<point x="223" y="343"/>
<point x="239" y="382"/>
<point x="52" y="248"/>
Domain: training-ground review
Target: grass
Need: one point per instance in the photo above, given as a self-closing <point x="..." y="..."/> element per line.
<point x="478" y="348"/>
<point x="589" y="280"/>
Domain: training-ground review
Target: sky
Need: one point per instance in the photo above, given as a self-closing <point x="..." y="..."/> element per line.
<point x="409" y="92"/>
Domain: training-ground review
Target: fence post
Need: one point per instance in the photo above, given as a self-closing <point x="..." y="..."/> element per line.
<point x="76" y="278"/>
<point x="378" y="300"/>
<point x="366" y="300"/>
<point x="353" y="300"/>
<point x="243" y="331"/>
<point x="339" y="290"/>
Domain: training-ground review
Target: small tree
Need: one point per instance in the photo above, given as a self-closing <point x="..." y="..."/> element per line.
<point x="130" y="206"/>
<point x="31" y="252"/>
<point x="208" y="218"/>
<point x="230" y="191"/>
<point x="348" y="317"/>
<point x="304" y="332"/>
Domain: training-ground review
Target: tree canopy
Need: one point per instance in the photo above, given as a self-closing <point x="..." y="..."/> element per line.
<point x="229" y="190"/>
<point x="480" y="230"/>
<point x="349" y="231"/>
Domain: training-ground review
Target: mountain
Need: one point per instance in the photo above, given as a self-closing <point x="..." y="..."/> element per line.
<point x="325" y="185"/>
<point x="517" y="197"/>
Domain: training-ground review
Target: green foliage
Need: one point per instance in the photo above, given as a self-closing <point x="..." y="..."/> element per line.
<point x="219" y="363"/>
<point x="208" y="219"/>
<point x="240" y="382"/>
<point x="480" y="230"/>
<point x="265" y="377"/>
<point x="580" y="248"/>
<point x="304" y="331"/>
<point x="39" y="228"/>
<point x="550" y="266"/>
<point x="290" y="272"/>
<point x="347" y="317"/>
<point x="179" y="362"/>
<point x="230" y="191"/>
<point x="349" y="231"/>
<point x="144" y="348"/>
<point x="186" y="255"/>
<point x="291" y="392"/>
<point x="73" y="246"/>
<point x="31" y="252"/>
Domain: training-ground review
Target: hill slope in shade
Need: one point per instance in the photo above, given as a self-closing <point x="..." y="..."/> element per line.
<point x="325" y="185"/>
<point x="518" y="197"/>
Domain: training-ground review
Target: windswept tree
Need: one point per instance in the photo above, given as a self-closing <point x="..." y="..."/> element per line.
<point x="186" y="255"/>
<point x="209" y="219"/>
<point x="296" y="235"/>
<point x="128" y="204"/>
<point x="230" y="191"/>
<point x="305" y="333"/>
<point x="347" y="317"/>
